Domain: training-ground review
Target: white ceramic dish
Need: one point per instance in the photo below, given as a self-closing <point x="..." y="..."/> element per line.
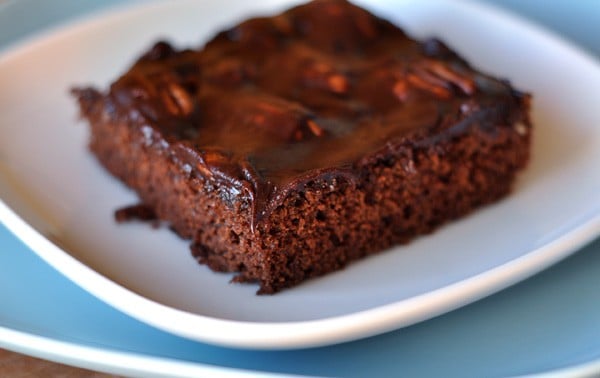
<point x="59" y="201"/>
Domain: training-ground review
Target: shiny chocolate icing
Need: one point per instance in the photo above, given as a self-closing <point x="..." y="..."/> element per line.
<point x="316" y="92"/>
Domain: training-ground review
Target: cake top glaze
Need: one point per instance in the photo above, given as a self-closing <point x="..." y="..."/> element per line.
<point x="316" y="92"/>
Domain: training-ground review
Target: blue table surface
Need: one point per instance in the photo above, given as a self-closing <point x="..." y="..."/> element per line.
<point x="545" y="322"/>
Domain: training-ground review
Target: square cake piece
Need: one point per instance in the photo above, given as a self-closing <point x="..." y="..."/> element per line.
<point x="290" y="146"/>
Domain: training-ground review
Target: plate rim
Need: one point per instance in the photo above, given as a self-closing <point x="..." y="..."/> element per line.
<point x="116" y="361"/>
<point x="309" y="333"/>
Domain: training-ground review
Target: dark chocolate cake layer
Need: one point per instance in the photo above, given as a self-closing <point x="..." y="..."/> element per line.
<point x="290" y="145"/>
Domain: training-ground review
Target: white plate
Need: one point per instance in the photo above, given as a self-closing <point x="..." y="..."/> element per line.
<point x="60" y="202"/>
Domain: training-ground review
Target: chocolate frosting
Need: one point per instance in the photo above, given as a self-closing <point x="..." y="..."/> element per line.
<point x="313" y="93"/>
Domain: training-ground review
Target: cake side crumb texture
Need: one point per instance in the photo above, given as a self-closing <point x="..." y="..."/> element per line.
<point x="288" y="146"/>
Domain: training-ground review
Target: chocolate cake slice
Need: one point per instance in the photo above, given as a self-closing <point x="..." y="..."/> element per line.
<point x="289" y="146"/>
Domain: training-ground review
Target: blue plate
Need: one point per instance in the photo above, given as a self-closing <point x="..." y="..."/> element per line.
<point x="545" y="323"/>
